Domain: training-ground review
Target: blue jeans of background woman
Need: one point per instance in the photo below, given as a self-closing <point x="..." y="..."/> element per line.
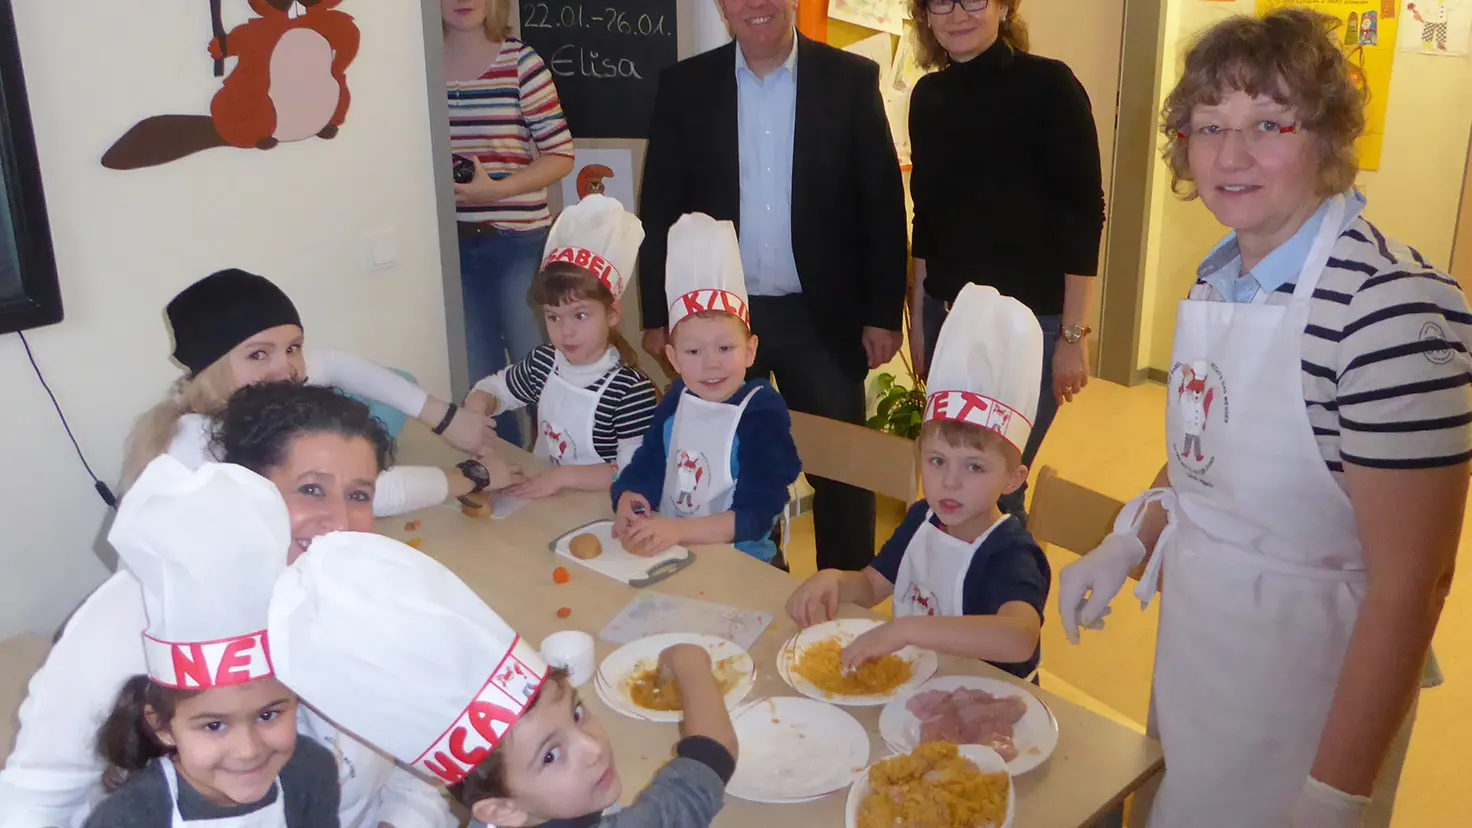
<point x="934" y="315"/>
<point x="496" y="271"/>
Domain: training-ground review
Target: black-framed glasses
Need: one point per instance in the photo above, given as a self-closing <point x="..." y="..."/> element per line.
<point x="945" y="6"/>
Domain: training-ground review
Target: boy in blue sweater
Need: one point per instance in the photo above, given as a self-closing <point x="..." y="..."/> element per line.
<point x="718" y="457"/>
<point x="967" y="580"/>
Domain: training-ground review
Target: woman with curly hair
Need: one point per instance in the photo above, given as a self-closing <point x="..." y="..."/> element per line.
<point x="1319" y="425"/>
<point x="1007" y="189"/>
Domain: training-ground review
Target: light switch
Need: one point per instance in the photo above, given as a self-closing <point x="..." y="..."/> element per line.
<point x="383" y="250"/>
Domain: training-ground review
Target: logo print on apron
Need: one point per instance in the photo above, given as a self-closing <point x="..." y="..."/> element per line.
<point x="559" y="443"/>
<point x="692" y="471"/>
<point x="1200" y="391"/>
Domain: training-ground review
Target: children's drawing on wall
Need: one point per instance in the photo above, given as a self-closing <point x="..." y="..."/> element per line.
<point x="882" y="15"/>
<point x="289" y="83"/>
<point x="1436" y="27"/>
<point x="608" y="172"/>
<point x="897" y="81"/>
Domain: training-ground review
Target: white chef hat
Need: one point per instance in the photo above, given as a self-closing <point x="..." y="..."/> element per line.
<point x="391" y="646"/>
<point x="600" y="236"/>
<point x="207" y="547"/>
<point x="702" y="270"/>
<point x="988" y="365"/>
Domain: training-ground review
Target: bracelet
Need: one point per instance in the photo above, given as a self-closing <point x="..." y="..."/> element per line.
<point x="450" y="410"/>
<point x="476" y="473"/>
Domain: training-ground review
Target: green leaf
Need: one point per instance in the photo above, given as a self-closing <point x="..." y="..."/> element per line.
<point x="884" y="381"/>
<point x="886" y="405"/>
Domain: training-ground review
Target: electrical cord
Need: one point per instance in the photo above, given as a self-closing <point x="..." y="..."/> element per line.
<point x="102" y="489"/>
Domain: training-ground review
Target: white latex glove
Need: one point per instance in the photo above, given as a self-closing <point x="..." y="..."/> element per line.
<point x="1089" y="584"/>
<point x="1320" y="806"/>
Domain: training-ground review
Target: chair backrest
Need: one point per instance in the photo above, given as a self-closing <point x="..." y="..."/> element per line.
<point x="856" y="455"/>
<point x="1068" y="515"/>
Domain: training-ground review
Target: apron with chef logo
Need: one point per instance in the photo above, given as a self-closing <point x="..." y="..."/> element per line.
<point x="1263" y="569"/>
<point x="697" y="475"/>
<point x="932" y="573"/>
<point x="565" y="421"/>
<point x="271" y="816"/>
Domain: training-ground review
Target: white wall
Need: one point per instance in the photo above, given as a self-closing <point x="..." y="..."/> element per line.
<point x="127" y="241"/>
<point x="1412" y="197"/>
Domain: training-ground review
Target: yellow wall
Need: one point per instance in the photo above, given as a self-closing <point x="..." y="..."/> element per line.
<point x="1413" y="196"/>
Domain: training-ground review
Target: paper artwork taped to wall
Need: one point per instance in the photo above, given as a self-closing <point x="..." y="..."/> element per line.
<point x="289" y="83"/>
<point x="1436" y="27"/>
<point x="880" y="15"/>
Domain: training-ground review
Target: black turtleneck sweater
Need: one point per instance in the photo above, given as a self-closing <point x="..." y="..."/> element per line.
<point x="1006" y="179"/>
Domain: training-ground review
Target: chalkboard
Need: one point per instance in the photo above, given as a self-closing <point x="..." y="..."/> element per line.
<point x="605" y="60"/>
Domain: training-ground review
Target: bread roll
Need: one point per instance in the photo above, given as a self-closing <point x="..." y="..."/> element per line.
<point x="585" y="547"/>
<point x="476" y="506"/>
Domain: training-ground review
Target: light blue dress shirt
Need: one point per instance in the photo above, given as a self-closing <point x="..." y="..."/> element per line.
<point x="1222" y="268"/>
<point x="766" y="110"/>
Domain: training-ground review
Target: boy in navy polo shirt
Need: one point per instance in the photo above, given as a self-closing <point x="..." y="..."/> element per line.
<point x="966" y="579"/>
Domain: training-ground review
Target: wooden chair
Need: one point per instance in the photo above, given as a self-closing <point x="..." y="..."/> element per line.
<point x="857" y="455"/>
<point x="1114" y="665"/>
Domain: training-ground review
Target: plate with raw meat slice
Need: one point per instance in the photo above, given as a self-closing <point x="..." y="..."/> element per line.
<point x="973" y="710"/>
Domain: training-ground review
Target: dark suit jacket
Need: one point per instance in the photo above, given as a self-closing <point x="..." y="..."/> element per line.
<point x="848" y="201"/>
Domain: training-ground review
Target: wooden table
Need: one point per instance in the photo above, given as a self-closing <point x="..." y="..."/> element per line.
<point x="508" y="563"/>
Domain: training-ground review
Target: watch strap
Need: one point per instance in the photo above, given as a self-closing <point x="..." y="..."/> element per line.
<point x="450" y="410"/>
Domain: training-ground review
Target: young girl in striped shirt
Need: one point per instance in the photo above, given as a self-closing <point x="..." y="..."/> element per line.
<point x="592" y="405"/>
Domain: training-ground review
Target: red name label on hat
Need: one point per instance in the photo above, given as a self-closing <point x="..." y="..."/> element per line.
<point x="484" y="722"/>
<point x="709" y="299"/>
<point x="203" y="665"/>
<point x="970" y="407"/>
<point x="591" y="262"/>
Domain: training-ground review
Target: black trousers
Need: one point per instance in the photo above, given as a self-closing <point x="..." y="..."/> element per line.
<point x="811" y="381"/>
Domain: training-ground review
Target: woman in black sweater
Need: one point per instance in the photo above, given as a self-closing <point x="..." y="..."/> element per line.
<point x="1006" y="186"/>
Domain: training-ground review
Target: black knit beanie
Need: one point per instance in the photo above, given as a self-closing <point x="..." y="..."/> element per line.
<point x="223" y="310"/>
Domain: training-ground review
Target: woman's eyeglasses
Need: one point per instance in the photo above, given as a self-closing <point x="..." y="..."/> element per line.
<point x="945" y="6"/>
<point x="1263" y="133"/>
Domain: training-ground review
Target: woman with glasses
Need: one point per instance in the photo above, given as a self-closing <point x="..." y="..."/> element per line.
<point x="1006" y="187"/>
<point x="1319" y="425"/>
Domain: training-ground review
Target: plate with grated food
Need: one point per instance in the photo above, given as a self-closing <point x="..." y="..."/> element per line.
<point x="810" y="662"/>
<point x="630" y="683"/>
<point x="937" y="785"/>
<point x="973" y="710"/>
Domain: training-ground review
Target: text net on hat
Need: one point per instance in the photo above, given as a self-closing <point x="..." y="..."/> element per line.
<point x="988" y="365"/>
<point x="207" y="547"/>
<point x="703" y="269"/>
<point x="391" y="646"/>
<point x="600" y="236"/>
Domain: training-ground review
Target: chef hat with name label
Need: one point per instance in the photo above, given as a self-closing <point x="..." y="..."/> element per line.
<point x="391" y="646"/>
<point x="207" y="547"/>
<point x="600" y="236"/>
<point x="988" y="365"/>
<point x="702" y="270"/>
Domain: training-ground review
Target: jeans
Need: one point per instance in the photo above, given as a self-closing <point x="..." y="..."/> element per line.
<point x="811" y="380"/>
<point x="496" y="272"/>
<point x="935" y="315"/>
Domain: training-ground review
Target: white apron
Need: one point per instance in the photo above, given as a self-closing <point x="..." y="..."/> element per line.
<point x="271" y="816"/>
<point x="697" y="473"/>
<point x="932" y="573"/>
<point x="565" y="421"/>
<point x="1263" y="568"/>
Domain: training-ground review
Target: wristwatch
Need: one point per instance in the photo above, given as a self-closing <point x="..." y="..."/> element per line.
<point x="476" y="473"/>
<point x="1074" y="334"/>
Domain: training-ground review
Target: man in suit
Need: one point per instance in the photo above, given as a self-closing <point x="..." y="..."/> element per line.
<point x="788" y="138"/>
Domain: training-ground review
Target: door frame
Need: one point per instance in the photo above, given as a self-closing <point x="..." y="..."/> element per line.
<point x="1460" y="267"/>
<point x="1123" y="297"/>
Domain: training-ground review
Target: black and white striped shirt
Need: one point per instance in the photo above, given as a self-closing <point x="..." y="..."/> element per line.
<point x="1386" y="371"/>
<point x="623" y="413"/>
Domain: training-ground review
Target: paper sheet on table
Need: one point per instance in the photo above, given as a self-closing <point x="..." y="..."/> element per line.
<point x="653" y="614"/>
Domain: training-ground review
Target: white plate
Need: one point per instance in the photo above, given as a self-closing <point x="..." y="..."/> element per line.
<point x="922" y="662"/>
<point x="794" y="749"/>
<point x="1035" y="734"/>
<point x="610" y="698"/>
<point x="985" y="759"/>
<point x="644" y="653"/>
